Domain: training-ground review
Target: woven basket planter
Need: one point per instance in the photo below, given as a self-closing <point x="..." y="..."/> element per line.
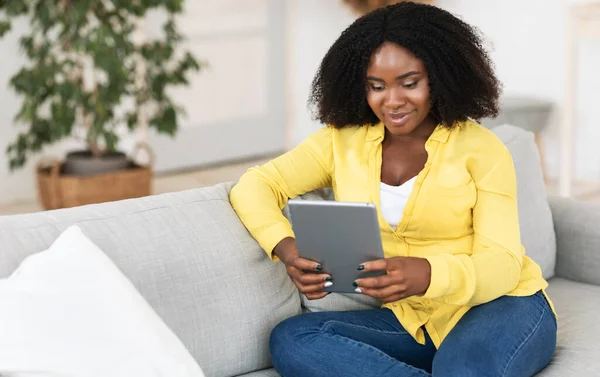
<point x="57" y="190"/>
<point x="63" y="191"/>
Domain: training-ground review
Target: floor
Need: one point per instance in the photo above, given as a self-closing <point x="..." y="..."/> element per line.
<point x="229" y="173"/>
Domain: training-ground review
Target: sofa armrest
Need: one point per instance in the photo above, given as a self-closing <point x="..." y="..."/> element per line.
<point x="577" y="228"/>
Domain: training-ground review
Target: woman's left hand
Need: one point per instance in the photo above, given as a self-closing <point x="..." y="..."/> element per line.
<point x="406" y="276"/>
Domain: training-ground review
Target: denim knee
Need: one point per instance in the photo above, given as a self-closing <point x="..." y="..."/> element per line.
<point x="284" y="334"/>
<point x="280" y="334"/>
<point x="472" y="368"/>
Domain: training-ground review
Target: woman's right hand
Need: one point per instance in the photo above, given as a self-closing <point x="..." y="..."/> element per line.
<point x="310" y="284"/>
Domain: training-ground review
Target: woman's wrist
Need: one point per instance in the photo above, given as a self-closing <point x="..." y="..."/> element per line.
<point x="286" y="249"/>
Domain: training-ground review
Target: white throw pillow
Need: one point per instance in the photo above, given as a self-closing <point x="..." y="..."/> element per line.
<point x="69" y="311"/>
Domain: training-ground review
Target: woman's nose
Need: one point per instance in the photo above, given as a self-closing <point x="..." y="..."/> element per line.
<point x="395" y="98"/>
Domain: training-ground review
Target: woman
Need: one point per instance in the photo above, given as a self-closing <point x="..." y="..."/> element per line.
<point x="398" y="91"/>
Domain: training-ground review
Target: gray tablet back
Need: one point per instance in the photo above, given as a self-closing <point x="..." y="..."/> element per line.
<point x="339" y="235"/>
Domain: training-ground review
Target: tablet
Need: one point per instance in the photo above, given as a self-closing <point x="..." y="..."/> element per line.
<point x="338" y="235"/>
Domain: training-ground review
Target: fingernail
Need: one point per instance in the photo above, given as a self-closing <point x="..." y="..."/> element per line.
<point x="319" y="267"/>
<point x="357" y="290"/>
<point x="328" y="278"/>
<point x="360" y="268"/>
<point x="328" y="284"/>
<point x="355" y="284"/>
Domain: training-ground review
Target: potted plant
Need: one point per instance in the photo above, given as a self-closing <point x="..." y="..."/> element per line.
<point x="89" y="77"/>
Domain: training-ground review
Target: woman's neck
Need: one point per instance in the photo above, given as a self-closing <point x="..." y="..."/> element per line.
<point x="422" y="132"/>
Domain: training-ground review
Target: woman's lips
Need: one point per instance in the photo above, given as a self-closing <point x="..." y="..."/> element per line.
<point x="399" y="119"/>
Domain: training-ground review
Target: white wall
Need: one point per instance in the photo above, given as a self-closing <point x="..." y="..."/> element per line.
<point x="10" y="184"/>
<point x="313" y="25"/>
<point x="527" y="38"/>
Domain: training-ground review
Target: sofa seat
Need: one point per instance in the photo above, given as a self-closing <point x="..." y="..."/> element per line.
<point x="577" y="305"/>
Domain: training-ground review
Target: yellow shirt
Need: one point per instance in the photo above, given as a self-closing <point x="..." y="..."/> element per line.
<point x="461" y="215"/>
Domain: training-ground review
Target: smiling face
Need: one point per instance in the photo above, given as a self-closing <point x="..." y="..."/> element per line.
<point x="398" y="90"/>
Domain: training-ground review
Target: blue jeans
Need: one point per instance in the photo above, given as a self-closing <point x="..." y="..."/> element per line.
<point x="510" y="336"/>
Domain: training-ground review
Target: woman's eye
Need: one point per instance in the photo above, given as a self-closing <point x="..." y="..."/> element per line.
<point x="377" y="88"/>
<point x="411" y="85"/>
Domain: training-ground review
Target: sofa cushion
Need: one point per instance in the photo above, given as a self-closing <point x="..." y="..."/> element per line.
<point x="577" y="227"/>
<point x="535" y="217"/>
<point x="191" y="258"/>
<point x="578" y="329"/>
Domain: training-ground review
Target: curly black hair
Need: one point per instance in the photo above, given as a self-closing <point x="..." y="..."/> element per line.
<point x="462" y="80"/>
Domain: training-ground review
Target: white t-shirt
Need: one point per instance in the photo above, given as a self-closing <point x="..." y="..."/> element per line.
<point x="393" y="200"/>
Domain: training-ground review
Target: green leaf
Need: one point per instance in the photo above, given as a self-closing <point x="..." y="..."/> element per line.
<point x="190" y="63"/>
<point x="42" y="16"/>
<point x="5" y="27"/>
<point x="44" y="50"/>
<point x="174" y="6"/>
<point x="15" y="8"/>
<point x="132" y="120"/>
<point x="157" y="53"/>
<point x="28" y="111"/>
<point x="42" y="133"/>
<point x="17" y="152"/>
<point x="158" y="86"/>
<point x="111" y="140"/>
<point x="63" y="116"/>
<point x="166" y="121"/>
<point x="26" y="43"/>
<point x="171" y="32"/>
<point x="66" y="90"/>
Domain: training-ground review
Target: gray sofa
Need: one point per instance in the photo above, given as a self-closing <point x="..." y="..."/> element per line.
<point x="197" y="266"/>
